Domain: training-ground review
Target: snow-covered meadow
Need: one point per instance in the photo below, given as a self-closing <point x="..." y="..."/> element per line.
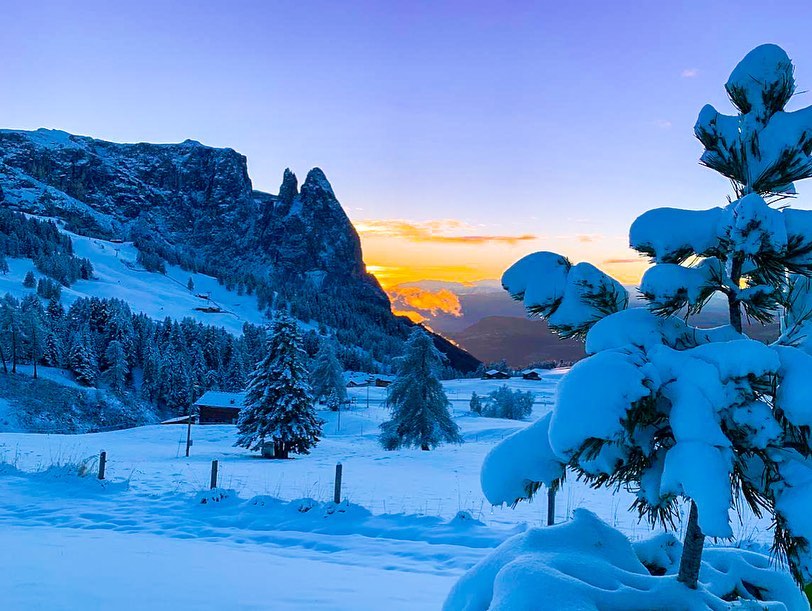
<point x="144" y="539"/>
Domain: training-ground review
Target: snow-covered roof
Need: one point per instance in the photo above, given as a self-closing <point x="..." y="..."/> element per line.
<point x="535" y="370"/>
<point x="179" y="420"/>
<point x="357" y="377"/>
<point x="216" y="398"/>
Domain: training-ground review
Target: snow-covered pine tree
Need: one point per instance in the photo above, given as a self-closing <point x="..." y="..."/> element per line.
<point x="671" y="411"/>
<point x="475" y="403"/>
<point x="278" y="403"/>
<point x="33" y="316"/>
<point x="11" y="325"/>
<point x="420" y="408"/>
<point x="82" y="361"/>
<point x="235" y="374"/>
<point x="29" y="281"/>
<point x="117" y="367"/>
<point x="506" y="403"/>
<point x="327" y="376"/>
<point x="332" y="402"/>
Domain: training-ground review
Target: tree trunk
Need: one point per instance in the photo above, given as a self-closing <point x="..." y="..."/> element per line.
<point x="691" y="559"/>
<point x="733" y="304"/>
<point x="3" y="357"/>
<point x="35" y="368"/>
<point x="13" y="352"/>
<point x="280" y="449"/>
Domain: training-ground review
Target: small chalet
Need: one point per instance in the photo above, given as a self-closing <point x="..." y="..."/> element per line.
<point x="382" y="381"/>
<point x="354" y="379"/>
<point x="495" y="374"/>
<point x="532" y="374"/>
<point x="217" y="407"/>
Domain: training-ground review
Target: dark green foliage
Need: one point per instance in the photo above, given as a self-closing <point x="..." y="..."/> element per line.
<point x="420" y="408"/>
<point x="475" y="403"/>
<point x="29" y="281"/>
<point x="279" y="404"/>
<point x="49" y="289"/>
<point x="51" y="250"/>
<point x="506" y="403"/>
<point x="151" y="262"/>
<point x="327" y="377"/>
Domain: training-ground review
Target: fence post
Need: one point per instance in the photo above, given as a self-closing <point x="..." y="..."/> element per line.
<point x="102" y="463"/>
<point x="214" y="466"/>
<point x="189" y="435"/>
<point x="337" y="489"/>
<point x="550" y="506"/>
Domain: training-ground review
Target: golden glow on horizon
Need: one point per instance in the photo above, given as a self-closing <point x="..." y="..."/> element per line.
<point x="399" y="251"/>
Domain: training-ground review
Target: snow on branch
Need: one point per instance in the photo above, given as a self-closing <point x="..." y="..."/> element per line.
<point x="669" y="287"/>
<point x="671" y="235"/>
<point x="571" y="297"/>
<point x="764" y="150"/>
<point x="508" y="480"/>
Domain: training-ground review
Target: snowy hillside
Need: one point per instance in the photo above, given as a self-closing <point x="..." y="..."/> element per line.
<point x="118" y="275"/>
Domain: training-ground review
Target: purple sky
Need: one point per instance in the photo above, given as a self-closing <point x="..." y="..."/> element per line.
<point x="563" y="120"/>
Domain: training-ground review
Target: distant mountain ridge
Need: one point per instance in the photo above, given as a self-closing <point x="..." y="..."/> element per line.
<point x="195" y="206"/>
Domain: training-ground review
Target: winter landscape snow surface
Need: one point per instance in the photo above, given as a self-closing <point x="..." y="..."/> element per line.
<point x="269" y="536"/>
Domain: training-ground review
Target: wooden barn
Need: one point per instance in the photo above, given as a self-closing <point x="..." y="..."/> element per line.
<point x="495" y="374"/>
<point x="217" y="407"/>
<point x="533" y="374"/>
<point x="382" y="381"/>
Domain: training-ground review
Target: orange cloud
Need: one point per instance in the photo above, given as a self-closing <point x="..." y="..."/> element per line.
<point x="431" y="302"/>
<point x="447" y="231"/>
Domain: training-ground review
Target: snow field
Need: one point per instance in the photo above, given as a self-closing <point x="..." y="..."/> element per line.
<point x="276" y="541"/>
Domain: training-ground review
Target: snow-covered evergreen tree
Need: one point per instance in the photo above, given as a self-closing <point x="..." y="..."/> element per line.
<point x="29" y="281"/>
<point x="82" y="361"/>
<point x="117" y="367"/>
<point x="327" y="376"/>
<point x="420" y="408"/>
<point x="332" y="402"/>
<point x="674" y="412"/>
<point x="33" y="316"/>
<point x="475" y="403"/>
<point x="506" y="403"/>
<point x="278" y="404"/>
<point x="235" y="378"/>
<point x="11" y="325"/>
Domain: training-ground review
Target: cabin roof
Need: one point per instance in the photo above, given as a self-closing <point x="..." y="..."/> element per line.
<point x="216" y="398"/>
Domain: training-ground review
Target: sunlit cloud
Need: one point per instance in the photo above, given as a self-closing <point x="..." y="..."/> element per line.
<point x="418" y="304"/>
<point x="432" y="302"/>
<point x="445" y="231"/>
<point x="663" y="123"/>
<point x="689" y="73"/>
<point x="410" y="314"/>
<point x="623" y="261"/>
<point x="586" y="238"/>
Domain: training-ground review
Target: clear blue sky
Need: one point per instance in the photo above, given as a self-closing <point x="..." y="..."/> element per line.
<point x="562" y="120"/>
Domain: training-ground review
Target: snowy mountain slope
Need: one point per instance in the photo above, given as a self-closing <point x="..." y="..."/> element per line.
<point x="194" y="206"/>
<point x="118" y="275"/>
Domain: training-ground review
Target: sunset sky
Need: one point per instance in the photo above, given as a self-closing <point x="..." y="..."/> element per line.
<point x="457" y="135"/>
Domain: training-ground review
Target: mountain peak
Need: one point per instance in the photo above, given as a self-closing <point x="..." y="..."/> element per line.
<point x="289" y="188"/>
<point x="317" y="181"/>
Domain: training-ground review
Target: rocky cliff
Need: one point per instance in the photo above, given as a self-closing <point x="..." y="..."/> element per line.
<point x="195" y="206"/>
